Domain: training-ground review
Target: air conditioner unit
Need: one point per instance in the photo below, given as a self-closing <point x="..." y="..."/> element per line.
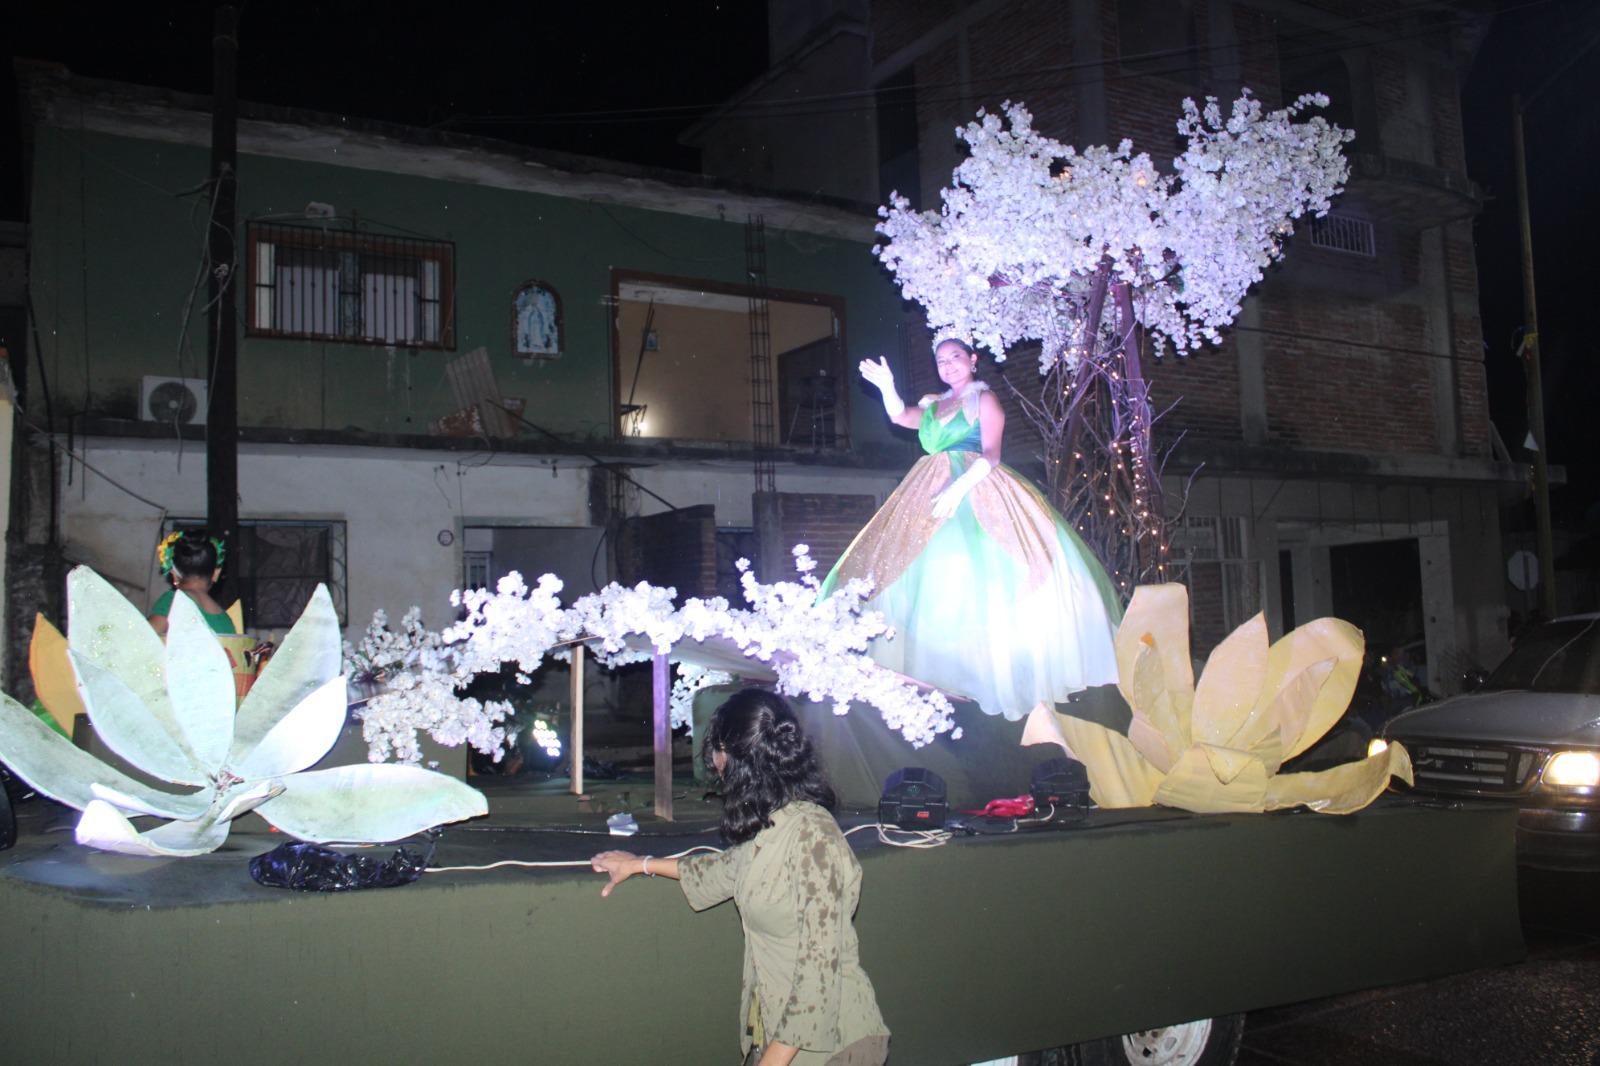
<point x="180" y="401"/>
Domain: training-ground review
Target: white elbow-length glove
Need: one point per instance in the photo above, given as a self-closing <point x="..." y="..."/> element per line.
<point x="879" y="374"/>
<point x="950" y="497"/>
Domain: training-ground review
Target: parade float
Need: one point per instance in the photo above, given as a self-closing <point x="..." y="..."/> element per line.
<point x="1202" y="875"/>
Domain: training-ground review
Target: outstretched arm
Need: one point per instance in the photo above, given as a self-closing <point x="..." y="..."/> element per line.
<point x="879" y="375"/>
<point x="621" y="865"/>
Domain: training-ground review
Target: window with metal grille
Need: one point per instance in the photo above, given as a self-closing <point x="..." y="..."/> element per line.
<point x="1344" y="233"/>
<point x="280" y="564"/>
<point x="1212" y="556"/>
<point x="319" y="283"/>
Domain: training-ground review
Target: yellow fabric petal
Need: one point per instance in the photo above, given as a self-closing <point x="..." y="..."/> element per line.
<point x="1193" y="786"/>
<point x="1342" y="789"/>
<point x="236" y="613"/>
<point x="1230" y="684"/>
<point x="1118" y="775"/>
<point x="1296" y="701"/>
<point x="1158" y="617"/>
<point x="1149" y="742"/>
<point x="53" y="680"/>
<point x="1323" y="638"/>
<point x="1152" y="702"/>
<point x="1227" y="763"/>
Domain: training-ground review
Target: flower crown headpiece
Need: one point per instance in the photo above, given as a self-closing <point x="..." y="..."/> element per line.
<point x="164" y="549"/>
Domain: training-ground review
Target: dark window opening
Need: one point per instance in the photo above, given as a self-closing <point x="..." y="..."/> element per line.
<point x="898" y="169"/>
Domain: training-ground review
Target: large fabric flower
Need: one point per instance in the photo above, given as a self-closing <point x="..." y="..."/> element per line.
<point x="169" y="710"/>
<point x="1216" y="745"/>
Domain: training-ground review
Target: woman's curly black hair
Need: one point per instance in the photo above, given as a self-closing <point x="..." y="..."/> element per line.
<point x="770" y="762"/>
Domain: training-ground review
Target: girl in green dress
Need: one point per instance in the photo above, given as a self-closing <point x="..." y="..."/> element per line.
<point x="991" y="594"/>
<point x="192" y="561"/>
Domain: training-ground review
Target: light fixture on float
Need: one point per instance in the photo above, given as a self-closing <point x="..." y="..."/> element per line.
<point x="914" y="798"/>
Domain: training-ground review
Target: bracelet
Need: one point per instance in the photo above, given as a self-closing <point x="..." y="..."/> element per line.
<point x="646" y="870"/>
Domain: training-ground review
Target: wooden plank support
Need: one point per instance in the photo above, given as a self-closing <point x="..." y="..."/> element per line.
<point x="660" y="674"/>
<point x="575" y="741"/>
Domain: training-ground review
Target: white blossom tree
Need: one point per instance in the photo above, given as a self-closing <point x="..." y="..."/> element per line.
<point x="1036" y="242"/>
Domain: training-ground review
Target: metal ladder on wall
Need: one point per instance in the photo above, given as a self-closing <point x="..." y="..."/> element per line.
<point x="763" y="405"/>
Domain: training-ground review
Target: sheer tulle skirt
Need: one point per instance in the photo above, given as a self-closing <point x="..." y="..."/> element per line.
<point x="1001" y="603"/>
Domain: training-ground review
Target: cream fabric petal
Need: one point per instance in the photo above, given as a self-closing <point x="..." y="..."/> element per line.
<point x="1193" y="786"/>
<point x="1227" y="763"/>
<point x="1149" y="742"/>
<point x="1342" y="789"/>
<point x="1118" y="775"/>
<point x="1158" y="617"/>
<point x="199" y="683"/>
<point x="1322" y="638"/>
<point x="1297" y="700"/>
<point x="1153" y="702"/>
<point x="1230" y="683"/>
<point x="53" y="680"/>
<point x="107" y="630"/>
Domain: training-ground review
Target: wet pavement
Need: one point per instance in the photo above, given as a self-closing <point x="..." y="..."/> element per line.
<point x="1544" y="1011"/>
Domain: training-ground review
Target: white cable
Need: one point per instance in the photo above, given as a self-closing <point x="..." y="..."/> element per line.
<point x="585" y="863"/>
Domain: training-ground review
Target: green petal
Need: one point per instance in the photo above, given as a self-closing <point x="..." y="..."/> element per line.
<point x="103" y="826"/>
<point x="107" y="630"/>
<point x="309" y="657"/>
<point x="199" y="683"/>
<point x="302" y="736"/>
<point x="65" y="772"/>
<point x="125" y="723"/>
<point x="370" y="802"/>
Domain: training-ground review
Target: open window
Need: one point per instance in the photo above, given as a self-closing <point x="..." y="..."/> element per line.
<point x="684" y="365"/>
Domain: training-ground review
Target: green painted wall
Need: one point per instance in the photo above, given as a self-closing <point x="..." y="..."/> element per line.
<point x="116" y="251"/>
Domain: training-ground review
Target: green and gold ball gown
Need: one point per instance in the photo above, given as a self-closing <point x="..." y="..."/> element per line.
<point x="1001" y="602"/>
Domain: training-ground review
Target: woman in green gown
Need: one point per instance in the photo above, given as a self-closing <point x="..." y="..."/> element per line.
<point x="992" y="595"/>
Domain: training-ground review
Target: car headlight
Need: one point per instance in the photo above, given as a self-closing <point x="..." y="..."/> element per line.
<point x="1377" y="747"/>
<point x="1573" y="769"/>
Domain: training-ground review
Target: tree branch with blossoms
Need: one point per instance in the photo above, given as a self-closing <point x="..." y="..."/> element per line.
<point x="816" y="648"/>
<point x="1088" y="252"/>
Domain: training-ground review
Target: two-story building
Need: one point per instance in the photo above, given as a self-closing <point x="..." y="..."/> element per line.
<point x="457" y="357"/>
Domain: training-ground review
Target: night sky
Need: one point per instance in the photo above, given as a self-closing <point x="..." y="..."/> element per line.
<point x="622" y="81"/>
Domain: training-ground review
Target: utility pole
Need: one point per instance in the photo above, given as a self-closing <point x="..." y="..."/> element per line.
<point x="222" y="333"/>
<point x="1530" y="340"/>
<point x="1531" y="367"/>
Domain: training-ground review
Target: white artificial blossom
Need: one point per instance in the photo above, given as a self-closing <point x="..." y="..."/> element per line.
<point x="816" y="647"/>
<point x="1028" y="221"/>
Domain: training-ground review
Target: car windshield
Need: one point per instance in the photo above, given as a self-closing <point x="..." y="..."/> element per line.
<point x="1560" y="656"/>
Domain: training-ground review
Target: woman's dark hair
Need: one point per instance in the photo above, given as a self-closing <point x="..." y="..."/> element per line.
<point x="770" y="762"/>
<point x="194" y="555"/>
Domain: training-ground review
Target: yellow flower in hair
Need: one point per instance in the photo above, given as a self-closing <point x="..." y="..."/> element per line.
<point x="164" y="550"/>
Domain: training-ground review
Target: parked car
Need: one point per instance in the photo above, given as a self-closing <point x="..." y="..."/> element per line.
<point x="1529" y="736"/>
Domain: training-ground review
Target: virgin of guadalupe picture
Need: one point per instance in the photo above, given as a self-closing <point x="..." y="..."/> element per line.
<point x="536" y="320"/>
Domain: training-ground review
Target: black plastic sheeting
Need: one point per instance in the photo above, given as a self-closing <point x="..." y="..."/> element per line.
<point x="314" y="868"/>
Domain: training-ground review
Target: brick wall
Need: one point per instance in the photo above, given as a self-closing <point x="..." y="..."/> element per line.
<point x="1205" y="388"/>
<point x="825" y="521"/>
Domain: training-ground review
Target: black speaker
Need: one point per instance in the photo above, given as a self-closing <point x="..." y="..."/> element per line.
<point x="914" y="798"/>
<point x="1060" y="783"/>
